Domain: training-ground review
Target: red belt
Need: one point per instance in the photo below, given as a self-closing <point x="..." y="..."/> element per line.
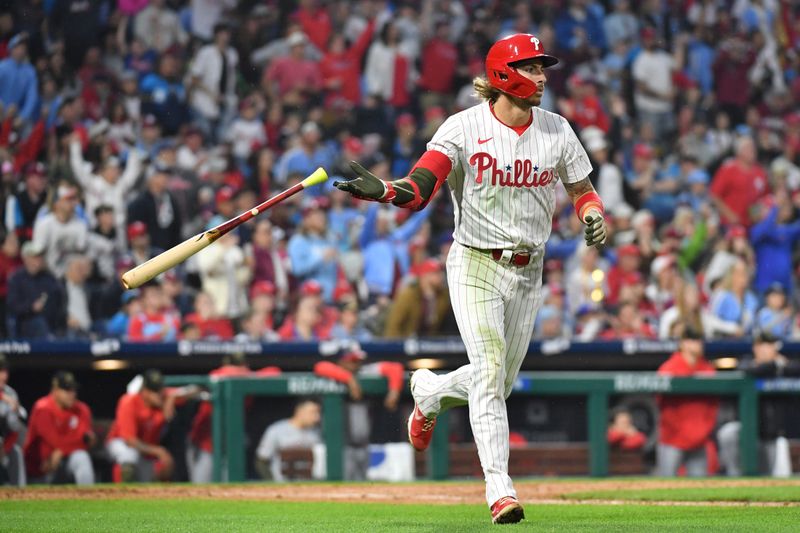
<point x="520" y="259"/>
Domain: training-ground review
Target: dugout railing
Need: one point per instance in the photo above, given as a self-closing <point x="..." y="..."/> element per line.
<point x="228" y="398"/>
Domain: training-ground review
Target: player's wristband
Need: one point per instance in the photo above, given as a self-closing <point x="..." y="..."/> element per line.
<point x="587" y="201"/>
<point x="389" y="193"/>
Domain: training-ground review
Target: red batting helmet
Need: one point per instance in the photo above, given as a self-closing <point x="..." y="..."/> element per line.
<point x="518" y="47"/>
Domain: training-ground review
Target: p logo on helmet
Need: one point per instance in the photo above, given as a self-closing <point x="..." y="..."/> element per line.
<point x="504" y="53"/>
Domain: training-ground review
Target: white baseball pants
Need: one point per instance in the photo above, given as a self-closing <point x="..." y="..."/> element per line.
<point x="495" y="306"/>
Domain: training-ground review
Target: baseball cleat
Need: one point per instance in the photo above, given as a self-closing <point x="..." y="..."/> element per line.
<point x="420" y="427"/>
<point x="507" y="510"/>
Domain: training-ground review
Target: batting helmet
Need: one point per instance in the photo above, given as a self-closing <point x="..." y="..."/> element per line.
<point x="504" y="53"/>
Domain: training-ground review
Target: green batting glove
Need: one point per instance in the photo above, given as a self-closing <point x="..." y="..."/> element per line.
<point x="595" y="229"/>
<point x="366" y="185"/>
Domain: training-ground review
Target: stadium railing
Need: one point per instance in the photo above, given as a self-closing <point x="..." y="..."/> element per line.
<point x="228" y="397"/>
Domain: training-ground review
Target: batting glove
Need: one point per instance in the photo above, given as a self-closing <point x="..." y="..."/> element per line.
<point x="366" y="186"/>
<point x="595" y="228"/>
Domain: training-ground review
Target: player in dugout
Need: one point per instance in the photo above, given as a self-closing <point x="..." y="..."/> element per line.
<point x="60" y="435"/>
<point x="199" y="453"/>
<point x="134" y="440"/>
<point x="350" y="364"/>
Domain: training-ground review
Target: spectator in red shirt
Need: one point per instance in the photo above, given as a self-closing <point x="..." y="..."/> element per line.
<point x="625" y="272"/>
<point x="293" y="78"/>
<point x="205" y="317"/>
<point x="306" y="323"/>
<point x="9" y="262"/>
<point x="583" y="107"/>
<point x="59" y="436"/>
<point x="351" y="363"/>
<point x="341" y="69"/>
<point x="315" y="21"/>
<point x="154" y="323"/>
<point x="685" y="422"/>
<point x="629" y="324"/>
<point x="135" y="436"/>
<point x="439" y="61"/>
<point x="623" y="434"/>
<point x="738" y="184"/>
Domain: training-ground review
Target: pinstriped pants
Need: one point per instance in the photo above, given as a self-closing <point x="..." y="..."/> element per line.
<point x="495" y="307"/>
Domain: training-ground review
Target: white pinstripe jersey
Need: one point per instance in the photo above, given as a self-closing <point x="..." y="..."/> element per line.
<point x="503" y="184"/>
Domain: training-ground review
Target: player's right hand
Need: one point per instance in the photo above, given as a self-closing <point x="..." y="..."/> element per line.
<point x="366" y="185"/>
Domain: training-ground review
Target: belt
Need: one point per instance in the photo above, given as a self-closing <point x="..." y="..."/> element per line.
<point x="519" y="259"/>
<point x="508" y="257"/>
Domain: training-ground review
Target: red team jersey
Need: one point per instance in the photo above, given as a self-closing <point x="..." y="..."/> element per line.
<point x="51" y="428"/>
<point x="135" y="419"/>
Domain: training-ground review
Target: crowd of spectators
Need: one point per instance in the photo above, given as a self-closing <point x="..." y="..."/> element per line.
<point x="127" y="126"/>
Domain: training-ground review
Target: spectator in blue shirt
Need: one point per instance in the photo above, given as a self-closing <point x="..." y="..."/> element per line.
<point x="733" y="301"/>
<point x="306" y="157"/>
<point x="165" y="96"/>
<point x="312" y="253"/>
<point x="385" y="249"/>
<point x="700" y="60"/>
<point x="579" y="23"/>
<point x="18" y="84"/>
<point x="775" y="317"/>
<point x="773" y="240"/>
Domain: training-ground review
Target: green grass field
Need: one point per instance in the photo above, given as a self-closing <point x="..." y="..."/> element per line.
<point x="111" y="511"/>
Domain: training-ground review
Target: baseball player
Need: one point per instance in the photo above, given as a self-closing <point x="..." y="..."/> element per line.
<point x="502" y="160"/>
<point x="60" y="435"/>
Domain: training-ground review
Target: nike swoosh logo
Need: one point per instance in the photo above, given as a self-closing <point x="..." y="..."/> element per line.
<point x="482" y="141"/>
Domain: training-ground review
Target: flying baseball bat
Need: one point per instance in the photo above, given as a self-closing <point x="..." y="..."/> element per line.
<point x="138" y="276"/>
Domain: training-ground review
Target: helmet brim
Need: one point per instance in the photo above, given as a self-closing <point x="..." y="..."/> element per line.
<point x="546" y="60"/>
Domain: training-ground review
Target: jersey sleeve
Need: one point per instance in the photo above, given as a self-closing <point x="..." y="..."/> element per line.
<point x="448" y="139"/>
<point x="574" y="164"/>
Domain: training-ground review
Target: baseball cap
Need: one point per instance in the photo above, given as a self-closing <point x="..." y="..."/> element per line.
<point x="405" y="119"/>
<point x="296" y="38"/>
<point x="152" y="380"/>
<point x="309" y="127"/>
<point x="127" y="296"/>
<point x="149" y="121"/>
<point x="30" y="249"/>
<point x="660" y="263"/>
<point x="224" y="194"/>
<point x="34" y="169"/>
<point x="321" y="202"/>
<point x="764" y="337"/>
<point x="136" y="229"/>
<point x="262" y="287"/>
<point x="691" y="332"/>
<point x="352" y="353"/>
<point x="628" y="249"/>
<point x="310" y="288"/>
<point x="697" y="176"/>
<point x="736" y="231"/>
<point x="66" y="192"/>
<point x="643" y="150"/>
<point x="775" y="287"/>
<point x="3" y="362"/>
<point x="354" y="145"/>
<point x="20" y="38"/>
<point x="65" y="380"/>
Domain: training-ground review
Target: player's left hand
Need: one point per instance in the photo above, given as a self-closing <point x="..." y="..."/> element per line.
<point x="595" y="234"/>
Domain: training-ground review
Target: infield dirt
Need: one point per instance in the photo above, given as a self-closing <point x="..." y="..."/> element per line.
<point x="468" y="492"/>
